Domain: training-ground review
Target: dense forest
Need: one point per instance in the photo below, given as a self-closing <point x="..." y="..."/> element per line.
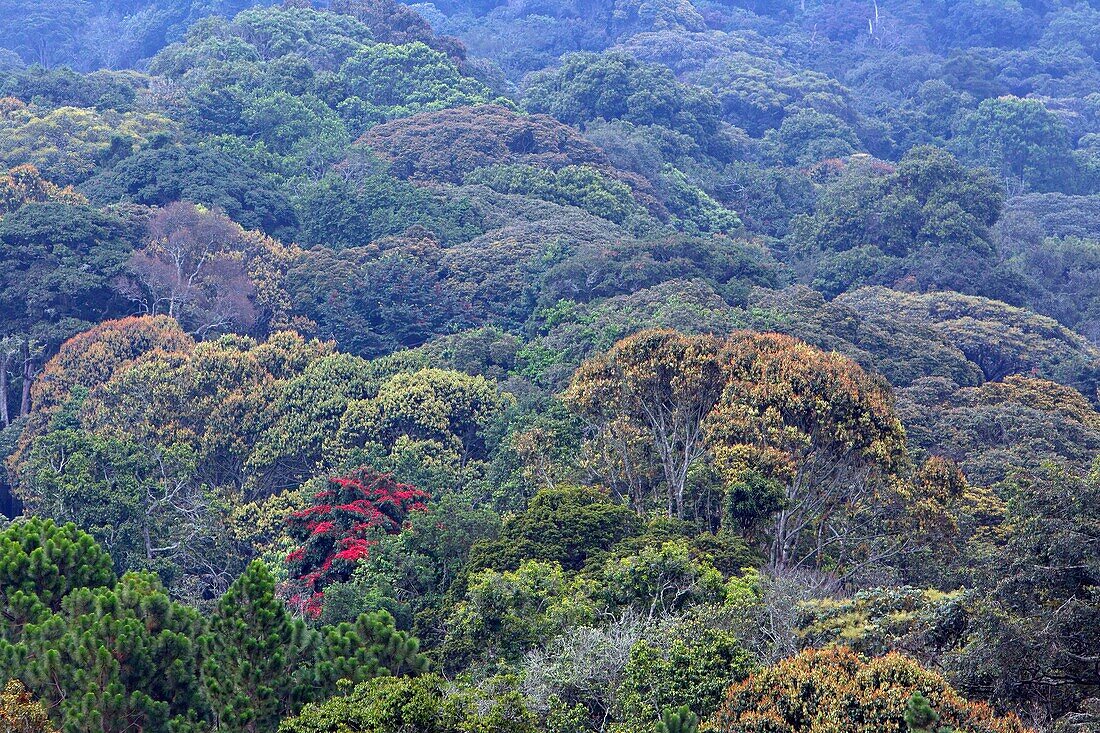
<point x="550" y="366"/>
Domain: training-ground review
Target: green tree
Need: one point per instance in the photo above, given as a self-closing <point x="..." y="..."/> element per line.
<point x="616" y="86"/>
<point x="690" y="659"/>
<point x="679" y="720"/>
<point x="40" y="564"/>
<point x="252" y="651"/>
<point x="1020" y="139"/>
<point x="427" y="703"/>
<point x="564" y="525"/>
<point x="59" y="261"/>
<point x="920" y="717"/>
<point x="113" y="659"/>
<point x="503" y="615"/>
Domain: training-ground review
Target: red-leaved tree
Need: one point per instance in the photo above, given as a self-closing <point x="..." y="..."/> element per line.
<point x="338" y="531"/>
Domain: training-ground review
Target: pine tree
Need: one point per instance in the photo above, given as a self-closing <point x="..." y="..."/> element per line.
<point x="251" y="651"/>
<point x="41" y="563"/>
<point x="371" y="647"/>
<point x="681" y="720"/>
<point x="114" y="660"/>
<point x="920" y="717"/>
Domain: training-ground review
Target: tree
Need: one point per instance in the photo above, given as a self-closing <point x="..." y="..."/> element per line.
<point x="476" y="137"/>
<point x="661" y="580"/>
<point x="689" y="659"/>
<point x="998" y="338"/>
<point x="566" y="525"/>
<point x="679" y="720"/>
<point x="59" y="260"/>
<point x="809" y="692"/>
<point x="113" y="659"/>
<point x="339" y="528"/>
<point x="809" y="137"/>
<point x="48" y="30"/>
<point x="660" y="384"/>
<point x="1022" y="140"/>
<point x="881" y="224"/>
<point x="820" y="427"/>
<point x="70" y="144"/>
<point x="251" y="650"/>
<point x="615" y="86"/>
<point x="444" y="408"/>
<point x="192" y="269"/>
<point x="21" y="713"/>
<point x="1035" y="617"/>
<point x="920" y="717"/>
<point x="220" y="179"/>
<point x="91" y="357"/>
<point x="24" y="184"/>
<point x="1000" y="427"/>
<point x="384" y="82"/>
<point x="503" y="615"/>
<point x="306" y="417"/>
<point x="142" y="502"/>
<point x="40" y="564"/>
<point x="424" y="703"/>
<point x="349" y="209"/>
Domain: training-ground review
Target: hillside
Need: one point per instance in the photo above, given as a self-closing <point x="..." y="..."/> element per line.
<point x="551" y="366"/>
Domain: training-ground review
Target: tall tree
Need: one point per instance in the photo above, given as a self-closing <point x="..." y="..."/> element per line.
<point x="114" y="660"/>
<point x="658" y="382"/>
<point x="822" y="429"/>
<point x="192" y="269"/>
<point x="252" y="650"/>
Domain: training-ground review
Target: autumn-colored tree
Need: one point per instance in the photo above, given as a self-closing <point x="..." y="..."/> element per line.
<point x="20" y="712"/>
<point x="89" y="359"/>
<point x="658" y="384"/>
<point x="216" y="400"/>
<point x="819" y="690"/>
<point x="820" y="427"/>
<point x="340" y="527"/>
<point x="24" y="184"/>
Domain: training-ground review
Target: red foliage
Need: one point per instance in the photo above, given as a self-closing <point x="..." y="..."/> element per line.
<point x="340" y="528"/>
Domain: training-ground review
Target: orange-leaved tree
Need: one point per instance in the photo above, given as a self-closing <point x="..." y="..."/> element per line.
<point x="659" y="384"/>
<point x="817" y="427"/>
<point x="835" y="689"/>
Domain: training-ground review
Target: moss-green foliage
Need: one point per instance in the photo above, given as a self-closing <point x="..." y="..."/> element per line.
<point x="567" y="526"/>
<point x="581" y="186"/>
<point x="427" y="703"/>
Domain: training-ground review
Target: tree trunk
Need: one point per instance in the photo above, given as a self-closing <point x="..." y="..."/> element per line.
<point x="28" y="379"/>
<point x="5" y="415"/>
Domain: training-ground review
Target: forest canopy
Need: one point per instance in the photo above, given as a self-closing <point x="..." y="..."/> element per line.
<point x="492" y="366"/>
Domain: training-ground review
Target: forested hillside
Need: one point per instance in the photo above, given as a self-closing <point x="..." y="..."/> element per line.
<point x="550" y="366"/>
